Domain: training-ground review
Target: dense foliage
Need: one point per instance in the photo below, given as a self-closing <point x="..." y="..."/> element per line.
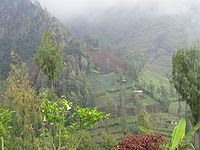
<point x="5" y="119"/>
<point x="179" y="139"/>
<point x="185" y="77"/>
<point x="137" y="32"/>
<point x="145" y="142"/>
<point x="96" y="85"/>
<point x="40" y="120"/>
<point x="50" y="58"/>
<point x="20" y="32"/>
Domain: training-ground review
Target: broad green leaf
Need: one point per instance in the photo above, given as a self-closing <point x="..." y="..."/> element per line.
<point x="178" y="134"/>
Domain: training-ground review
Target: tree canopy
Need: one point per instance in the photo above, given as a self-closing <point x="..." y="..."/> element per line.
<point x="49" y="57"/>
<point x="186" y="77"/>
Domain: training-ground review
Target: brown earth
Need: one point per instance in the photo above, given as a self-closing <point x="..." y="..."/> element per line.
<point x="105" y="60"/>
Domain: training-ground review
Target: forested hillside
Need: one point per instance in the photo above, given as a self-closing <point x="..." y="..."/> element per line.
<point x="114" y="80"/>
<point x="22" y="23"/>
<point x="139" y="32"/>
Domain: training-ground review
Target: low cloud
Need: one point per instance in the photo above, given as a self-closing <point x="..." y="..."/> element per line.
<point x="72" y="8"/>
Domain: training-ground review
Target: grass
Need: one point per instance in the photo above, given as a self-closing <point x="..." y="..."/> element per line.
<point x="149" y="101"/>
<point x="101" y="82"/>
<point x="101" y="101"/>
<point x="107" y="81"/>
<point x="107" y="85"/>
<point x="164" y="71"/>
<point x="160" y="127"/>
<point x="155" y="78"/>
<point x="173" y="108"/>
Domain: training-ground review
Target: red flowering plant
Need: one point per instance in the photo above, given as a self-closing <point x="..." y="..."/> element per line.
<point x="144" y="142"/>
<point x="147" y="141"/>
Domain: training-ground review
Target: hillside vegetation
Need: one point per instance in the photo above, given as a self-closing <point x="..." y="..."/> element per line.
<point x="110" y="86"/>
<point x="132" y="32"/>
<point x="22" y="24"/>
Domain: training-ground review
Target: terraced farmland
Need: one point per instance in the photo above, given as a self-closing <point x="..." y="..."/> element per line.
<point x="107" y="90"/>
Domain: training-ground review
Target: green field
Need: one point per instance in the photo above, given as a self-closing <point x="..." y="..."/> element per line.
<point x="155" y="78"/>
<point x="106" y="88"/>
<point x="159" y="127"/>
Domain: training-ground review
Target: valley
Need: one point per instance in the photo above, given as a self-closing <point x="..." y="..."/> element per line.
<point x="123" y="77"/>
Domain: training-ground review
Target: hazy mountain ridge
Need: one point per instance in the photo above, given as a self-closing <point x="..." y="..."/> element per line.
<point x="22" y="23"/>
<point x="133" y="32"/>
<point x="93" y="75"/>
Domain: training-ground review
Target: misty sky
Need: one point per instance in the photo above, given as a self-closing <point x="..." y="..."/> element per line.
<point x="72" y="8"/>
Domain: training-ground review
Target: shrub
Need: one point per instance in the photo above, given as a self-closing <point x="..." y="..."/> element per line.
<point x="145" y="142"/>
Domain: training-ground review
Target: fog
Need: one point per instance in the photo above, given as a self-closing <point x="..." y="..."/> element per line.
<point x="64" y="9"/>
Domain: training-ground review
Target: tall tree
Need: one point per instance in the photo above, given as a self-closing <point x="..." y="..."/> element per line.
<point x="133" y="69"/>
<point x="50" y="58"/>
<point x="143" y="118"/>
<point x="19" y="96"/>
<point x="186" y="78"/>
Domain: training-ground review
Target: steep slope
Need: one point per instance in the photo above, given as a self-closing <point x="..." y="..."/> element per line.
<point x="22" y="23"/>
<point x="132" y="33"/>
<point x="105" y="61"/>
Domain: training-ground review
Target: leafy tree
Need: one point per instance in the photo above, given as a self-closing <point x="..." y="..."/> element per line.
<point x="5" y="119"/>
<point x="49" y="58"/>
<point x="87" y="117"/>
<point x="186" y="78"/>
<point x="54" y="113"/>
<point x="133" y="69"/>
<point x="56" y="129"/>
<point x="19" y="96"/>
<point x="143" y="118"/>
